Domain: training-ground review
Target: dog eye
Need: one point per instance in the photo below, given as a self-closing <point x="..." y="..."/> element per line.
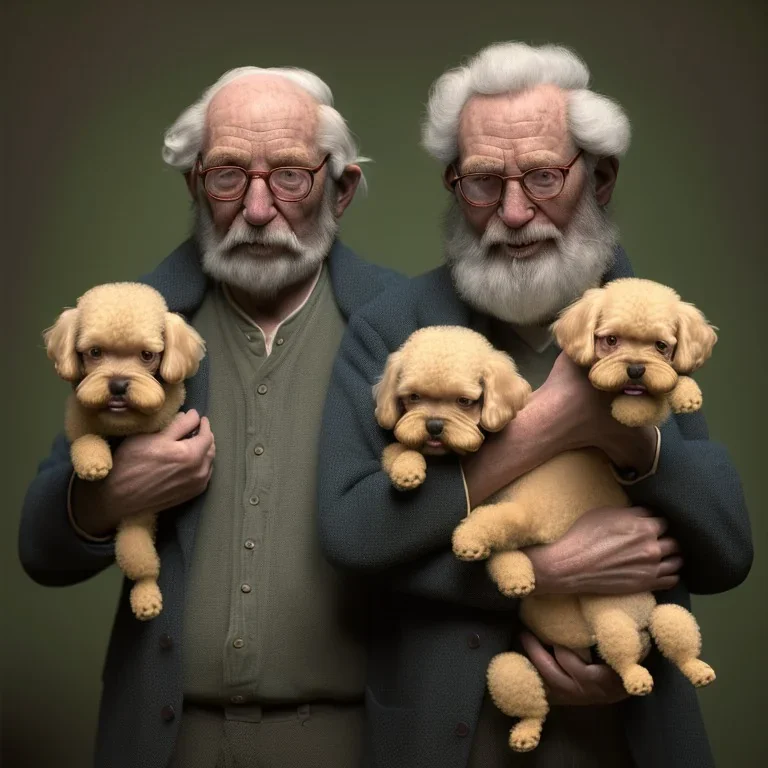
<point x="414" y="398"/>
<point x="465" y="402"/>
<point x="662" y="346"/>
<point x="147" y="357"/>
<point x="95" y="352"/>
<point x="611" y="341"/>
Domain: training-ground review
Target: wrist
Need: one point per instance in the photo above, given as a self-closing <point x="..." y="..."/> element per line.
<point x="88" y="510"/>
<point x="633" y="450"/>
<point x="547" y="580"/>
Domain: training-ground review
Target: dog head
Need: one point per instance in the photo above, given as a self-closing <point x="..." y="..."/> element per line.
<point x="636" y="336"/>
<point x="121" y="348"/>
<point x="442" y="385"/>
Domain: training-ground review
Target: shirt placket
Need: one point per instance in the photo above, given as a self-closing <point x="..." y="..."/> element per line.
<point x="249" y="634"/>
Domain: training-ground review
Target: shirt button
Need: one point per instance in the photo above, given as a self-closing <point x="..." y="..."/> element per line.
<point x="245" y="588"/>
<point x="279" y="342"/>
<point x="262" y="389"/>
<point x="254" y="500"/>
<point x="258" y="450"/>
<point x="237" y="699"/>
<point x="239" y="643"/>
<point x="250" y="543"/>
<point x="167" y="713"/>
<point x="166" y="641"/>
<point x="462" y="729"/>
<point x="473" y="640"/>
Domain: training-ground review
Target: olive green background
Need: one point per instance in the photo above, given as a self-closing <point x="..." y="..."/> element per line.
<point x="91" y="86"/>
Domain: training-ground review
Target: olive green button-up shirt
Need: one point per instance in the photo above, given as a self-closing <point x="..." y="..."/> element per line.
<point x="267" y="619"/>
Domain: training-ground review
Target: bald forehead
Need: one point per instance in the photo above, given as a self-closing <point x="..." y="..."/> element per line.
<point x="529" y="126"/>
<point x="265" y="110"/>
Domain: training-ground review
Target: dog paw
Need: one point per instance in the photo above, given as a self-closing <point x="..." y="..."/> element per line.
<point x="698" y="672"/>
<point x="408" y="471"/>
<point x="689" y="405"/>
<point x="526" y="735"/>
<point x="146" y="600"/>
<point x="93" y="470"/>
<point x="468" y="544"/>
<point x="516" y="588"/>
<point x="686" y="397"/>
<point x="637" y="681"/>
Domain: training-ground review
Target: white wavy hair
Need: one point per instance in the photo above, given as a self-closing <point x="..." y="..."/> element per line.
<point x="184" y="139"/>
<point x="597" y="124"/>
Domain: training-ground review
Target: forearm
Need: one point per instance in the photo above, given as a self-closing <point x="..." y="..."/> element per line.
<point x="50" y="550"/>
<point x="442" y="577"/>
<point x="698" y="490"/>
<point x="532" y="438"/>
<point x="91" y="509"/>
<point x="367" y="525"/>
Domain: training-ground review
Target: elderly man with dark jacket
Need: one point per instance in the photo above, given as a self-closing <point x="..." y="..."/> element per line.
<point x="259" y="655"/>
<point x="531" y="160"/>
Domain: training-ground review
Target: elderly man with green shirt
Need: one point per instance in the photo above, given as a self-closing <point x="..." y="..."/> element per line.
<point x="258" y="658"/>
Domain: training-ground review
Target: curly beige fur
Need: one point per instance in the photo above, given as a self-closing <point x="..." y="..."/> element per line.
<point x="127" y="357"/>
<point x="455" y="377"/>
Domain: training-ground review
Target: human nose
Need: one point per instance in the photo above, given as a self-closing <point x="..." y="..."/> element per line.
<point x="258" y="203"/>
<point x="516" y="209"/>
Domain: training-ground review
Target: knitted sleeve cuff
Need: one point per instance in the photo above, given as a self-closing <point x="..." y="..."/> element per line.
<point x="78" y="530"/>
<point x="629" y="476"/>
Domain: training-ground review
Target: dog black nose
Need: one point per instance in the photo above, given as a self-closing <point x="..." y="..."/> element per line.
<point x="635" y="371"/>
<point x="118" y="386"/>
<point x="435" y="427"/>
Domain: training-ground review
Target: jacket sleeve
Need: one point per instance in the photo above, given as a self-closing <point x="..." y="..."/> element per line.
<point x="50" y="550"/>
<point x="697" y="489"/>
<point x="403" y="538"/>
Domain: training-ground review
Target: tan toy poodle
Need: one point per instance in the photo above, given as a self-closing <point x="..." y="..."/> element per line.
<point x="639" y="340"/>
<point x="127" y="357"/>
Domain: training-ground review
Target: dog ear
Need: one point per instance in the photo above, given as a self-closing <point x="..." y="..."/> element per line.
<point x="183" y="350"/>
<point x="575" y="329"/>
<point x="695" y="339"/>
<point x="60" y="340"/>
<point x="505" y="392"/>
<point x="385" y="393"/>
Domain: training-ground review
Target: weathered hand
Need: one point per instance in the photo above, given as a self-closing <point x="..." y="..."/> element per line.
<point x="584" y="417"/>
<point x="571" y="680"/>
<point x="610" y="550"/>
<point x="150" y="473"/>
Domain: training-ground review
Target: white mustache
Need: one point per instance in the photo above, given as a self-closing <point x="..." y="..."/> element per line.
<point x="243" y="233"/>
<point x="498" y="233"/>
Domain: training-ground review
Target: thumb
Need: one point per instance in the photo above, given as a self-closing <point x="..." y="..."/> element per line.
<point x="182" y="425"/>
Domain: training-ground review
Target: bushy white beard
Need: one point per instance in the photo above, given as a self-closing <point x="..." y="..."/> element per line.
<point x="263" y="277"/>
<point x="532" y="290"/>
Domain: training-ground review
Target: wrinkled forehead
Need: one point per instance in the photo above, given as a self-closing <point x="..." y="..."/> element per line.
<point x="526" y="121"/>
<point x="262" y="104"/>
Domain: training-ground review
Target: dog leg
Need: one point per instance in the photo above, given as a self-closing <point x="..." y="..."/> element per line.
<point x="518" y="691"/>
<point x="620" y="642"/>
<point x="512" y="572"/>
<point x="137" y="557"/>
<point x="686" y="397"/>
<point x="490" y="527"/>
<point x="678" y="637"/>
<point x="91" y="457"/>
<point x="407" y="469"/>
